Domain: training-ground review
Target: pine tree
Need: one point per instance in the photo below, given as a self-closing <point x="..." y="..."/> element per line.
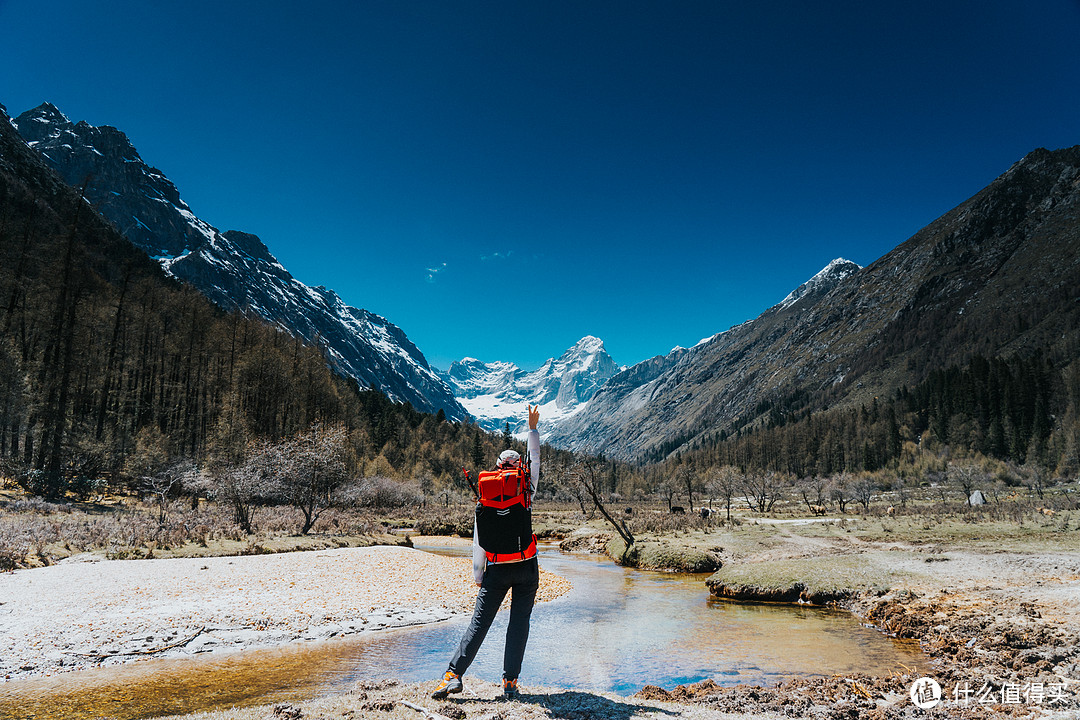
<point x="477" y="449"/>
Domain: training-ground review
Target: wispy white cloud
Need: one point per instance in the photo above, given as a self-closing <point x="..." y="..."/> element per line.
<point x="497" y="256"/>
<point x="432" y="272"/>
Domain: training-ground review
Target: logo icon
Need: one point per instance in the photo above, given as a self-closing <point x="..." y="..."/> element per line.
<point x="925" y="693"/>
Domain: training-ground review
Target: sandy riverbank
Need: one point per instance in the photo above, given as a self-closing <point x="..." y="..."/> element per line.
<point x="89" y="612"/>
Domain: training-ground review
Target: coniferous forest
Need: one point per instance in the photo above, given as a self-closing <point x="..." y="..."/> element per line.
<point x="106" y="362"/>
<point x="1021" y="409"/>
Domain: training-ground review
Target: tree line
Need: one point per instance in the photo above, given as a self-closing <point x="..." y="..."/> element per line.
<point x="1022" y="409"/>
<point x="109" y="369"/>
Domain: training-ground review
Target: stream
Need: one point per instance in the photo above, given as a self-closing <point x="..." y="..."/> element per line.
<point x="617" y="630"/>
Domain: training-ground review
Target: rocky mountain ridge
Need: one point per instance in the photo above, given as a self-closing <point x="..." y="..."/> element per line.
<point x="997" y="275"/>
<point x="829" y="277"/>
<point x="234" y="269"/>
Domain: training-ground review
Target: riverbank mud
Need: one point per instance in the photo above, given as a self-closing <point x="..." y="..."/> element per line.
<point x="1000" y="628"/>
<point x="481" y="700"/>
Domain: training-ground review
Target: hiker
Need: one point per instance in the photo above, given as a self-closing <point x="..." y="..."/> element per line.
<point x="504" y="559"/>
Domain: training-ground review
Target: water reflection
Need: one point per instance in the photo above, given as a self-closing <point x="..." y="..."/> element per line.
<point x="617" y="630"/>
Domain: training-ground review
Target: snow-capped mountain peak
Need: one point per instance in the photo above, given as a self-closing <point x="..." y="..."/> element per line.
<point x="43" y="123"/>
<point x="496" y="393"/>
<point x="836" y="271"/>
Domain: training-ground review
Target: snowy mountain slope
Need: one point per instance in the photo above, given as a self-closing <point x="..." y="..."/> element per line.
<point x="496" y="393"/>
<point x="234" y="269"/>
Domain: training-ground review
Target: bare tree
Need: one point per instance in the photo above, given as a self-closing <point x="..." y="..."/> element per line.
<point x="814" y="485"/>
<point x="154" y="474"/>
<point x="937" y="481"/>
<point x="1033" y="477"/>
<point x="588" y="475"/>
<point x="309" y="467"/>
<point x="863" y="489"/>
<point x="899" y="486"/>
<point x="689" y="482"/>
<point x="724" y="482"/>
<point x="967" y="475"/>
<point x="669" y="487"/>
<point x="242" y="485"/>
<point x="562" y="474"/>
<point x="762" y="489"/>
<point x="169" y="482"/>
<point x="840" y="490"/>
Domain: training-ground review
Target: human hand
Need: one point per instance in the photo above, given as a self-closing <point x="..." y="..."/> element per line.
<point x="534" y="416"/>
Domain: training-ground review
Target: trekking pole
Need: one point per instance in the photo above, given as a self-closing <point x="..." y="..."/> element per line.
<point x="471" y="484"/>
<point x="528" y="477"/>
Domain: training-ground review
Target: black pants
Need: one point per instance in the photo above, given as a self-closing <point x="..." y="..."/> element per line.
<point x="523" y="578"/>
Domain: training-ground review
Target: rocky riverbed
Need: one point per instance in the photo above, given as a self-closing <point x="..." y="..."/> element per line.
<point x="1001" y="627"/>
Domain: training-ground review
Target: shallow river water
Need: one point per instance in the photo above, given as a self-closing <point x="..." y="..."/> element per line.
<point x="617" y="630"/>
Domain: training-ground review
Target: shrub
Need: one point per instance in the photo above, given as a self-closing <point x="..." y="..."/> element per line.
<point x="382" y="492"/>
<point x="458" y="523"/>
<point x="14" y="546"/>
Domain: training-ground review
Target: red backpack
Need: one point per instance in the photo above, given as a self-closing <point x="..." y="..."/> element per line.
<point x="504" y="515"/>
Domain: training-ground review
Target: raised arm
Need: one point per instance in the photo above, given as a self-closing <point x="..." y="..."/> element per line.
<point x="534" y="445"/>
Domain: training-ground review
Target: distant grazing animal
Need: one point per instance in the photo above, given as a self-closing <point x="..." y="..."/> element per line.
<point x="705" y="513"/>
<point x="890" y="510"/>
<point x="817" y="509"/>
<point x="1045" y="511"/>
<point x="678" y="510"/>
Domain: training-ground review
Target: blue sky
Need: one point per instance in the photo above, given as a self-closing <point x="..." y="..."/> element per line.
<point x="501" y="178"/>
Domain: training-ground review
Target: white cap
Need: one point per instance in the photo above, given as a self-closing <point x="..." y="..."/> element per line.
<point x="509" y="457"/>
